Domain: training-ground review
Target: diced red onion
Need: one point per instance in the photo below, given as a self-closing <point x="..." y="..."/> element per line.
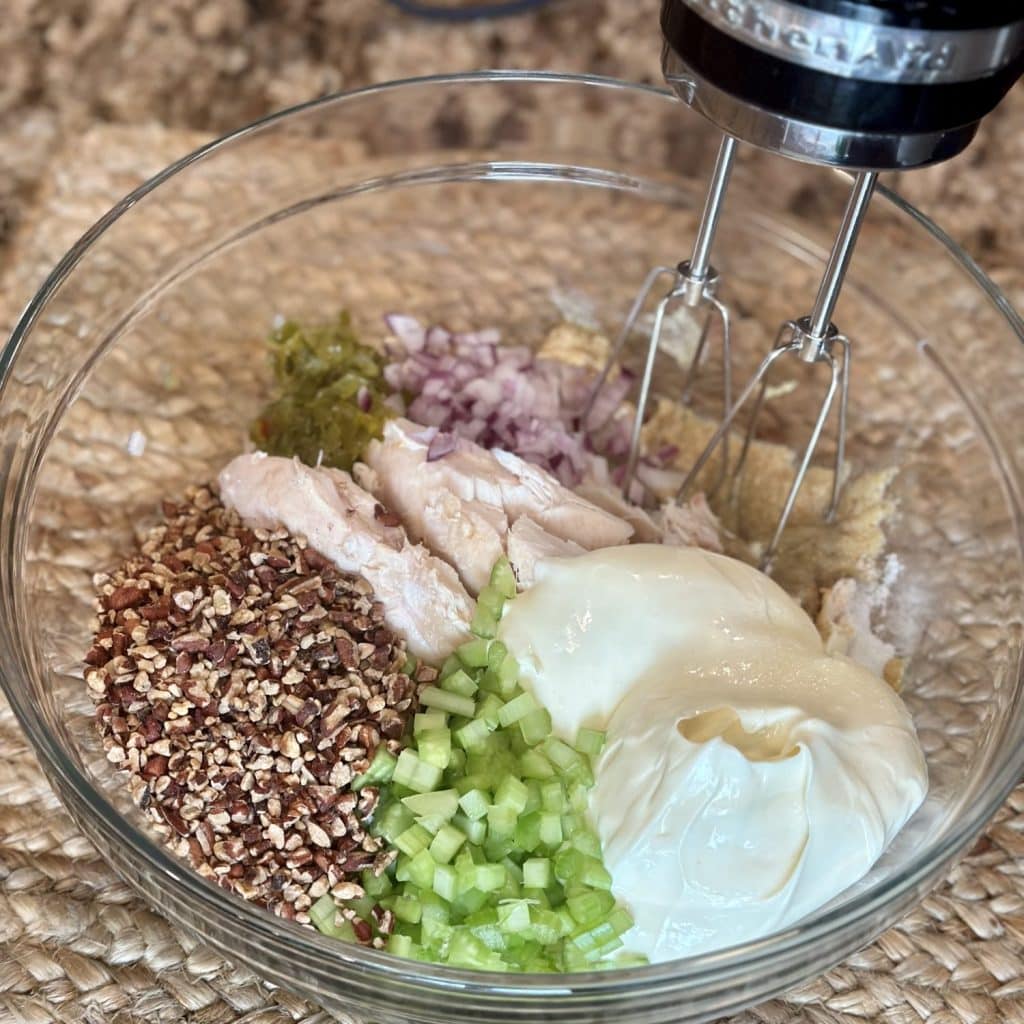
<point x="467" y="384"/>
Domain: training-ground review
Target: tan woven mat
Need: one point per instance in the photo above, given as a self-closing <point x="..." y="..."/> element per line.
<point x="76" y="945"/>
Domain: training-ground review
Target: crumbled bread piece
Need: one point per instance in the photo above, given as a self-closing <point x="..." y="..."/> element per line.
<point x="813" y="554"/>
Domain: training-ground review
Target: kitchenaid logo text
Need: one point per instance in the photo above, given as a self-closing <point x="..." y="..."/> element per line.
<point x="862" y="49"/>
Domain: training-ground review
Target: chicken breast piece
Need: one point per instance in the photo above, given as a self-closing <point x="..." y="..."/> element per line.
<point x="537" y="494"/>
<point x="438" y="501"/>
<point x="529" y="543"/>
<point x="690" y="524"/>
<point x="461" y="500"/>
<point x="598" y="487"/>
<point x="844" y="623"/>
<point x="423" y="600"/>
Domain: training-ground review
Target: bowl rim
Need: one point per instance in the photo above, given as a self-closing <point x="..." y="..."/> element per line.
<point x="690" y="972"/>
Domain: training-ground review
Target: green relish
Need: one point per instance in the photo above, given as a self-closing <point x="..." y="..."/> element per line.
<point x="330" y="395"/>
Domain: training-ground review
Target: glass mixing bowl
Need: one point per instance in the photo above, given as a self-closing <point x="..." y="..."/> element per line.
<point x="503" y="199"/>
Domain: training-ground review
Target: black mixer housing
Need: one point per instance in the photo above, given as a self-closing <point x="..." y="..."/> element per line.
<point x="874" y="84"/>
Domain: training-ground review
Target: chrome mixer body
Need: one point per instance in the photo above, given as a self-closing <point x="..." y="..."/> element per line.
<point x="862" y="85"/>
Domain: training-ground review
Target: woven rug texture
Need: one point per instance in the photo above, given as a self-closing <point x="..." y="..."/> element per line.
<point x="75" y="944"/>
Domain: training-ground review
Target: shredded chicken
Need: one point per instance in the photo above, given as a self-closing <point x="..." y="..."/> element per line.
<point x="690" y="524"/>
<point x="529" y="543"/>
<point x="423" y="600"/>
<point x="844" y="623"/>
<point x="463" y="501"/>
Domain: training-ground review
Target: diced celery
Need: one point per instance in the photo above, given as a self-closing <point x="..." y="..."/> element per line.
<point x="392" y="821"/>
<point x="488" y="709"/>
<point x="435" y="930"/>
<point x="593" y="937"/>
<point x="484" y="924"/>
<point x="517" y="708"/>
<point x="492" y="599"/>
<point x="489" y="682"/>
<point x="442" y="803"/>
<point x="408" y="909"/>
<point x="515" y="871"/>
<point x="546" y="925"/>
<point x="451" y="664"/>
<point x="552" y="797"/>
<point x="421" y="870"/>
<point x="446" y="844"/>
<point x="497" y="846"/>
<point x="511" y="792"/>
<point x="579" y="797"/>
<point x="412" y="840"/>
<point x="514" y="916"/>
<point x="497" y="653"/>
<point x="445" y="881"/>
<point x="415" y="774"/>
<point x="535" y="726"/>
<point x="469" y="901"/>
<point x="604" y="950"/>
<point x="382" y="769"/>
<point x="560" y="754"/>
<point x="595" y="874"/>
<point x="537" y="873"/>
<point x="537" y="897"/>
<point x="466" y="950"/>
<point x="591" y="906"/>
<point x="473" y="735"/>
<point x="501" y="821"/>
<point x="589" y="741"/>
<point x="474" y="831"/>
<point x="323" y="911"/>
<point x="454" y="703"/>
<point x="503" y="579"/>
<point x="474" y="653"/>
<point x="568" y="865"/>
<point x="620" y="920"/>
<point x="586" y="842"/>
<point x="550" y="829"/>
<point x="427" y="720"/>
<point x="489" y="877"/>
<point x="484" y="623"/>
<point x="435" y="747"/>
<point x="532" y="796"/>
<point x="474" y="803"/>
<point x="399" y="945"/>
<point x="498" y="867"/>
<point x="534" y="765"/>
<point x="459" y="682"/>
<point x="376" y="885"/>
<point x="402" y="868"/>
<point x="508" y="676"/>
<point x="471" y="780"/>
<point x="527" y="834"/>
<point x="581" y="773"/>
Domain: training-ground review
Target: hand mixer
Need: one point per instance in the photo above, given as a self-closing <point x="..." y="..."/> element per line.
<point x="864" y="85"/>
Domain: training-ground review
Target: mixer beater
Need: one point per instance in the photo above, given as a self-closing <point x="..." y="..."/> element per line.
<point x="694" y="284"/>
<point x="861" y="85"/>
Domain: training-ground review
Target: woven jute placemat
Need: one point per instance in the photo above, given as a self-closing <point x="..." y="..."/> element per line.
<point x="77" y="945"/>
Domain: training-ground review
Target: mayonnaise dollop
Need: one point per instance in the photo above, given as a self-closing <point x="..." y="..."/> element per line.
<point x="748" y="777"/>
